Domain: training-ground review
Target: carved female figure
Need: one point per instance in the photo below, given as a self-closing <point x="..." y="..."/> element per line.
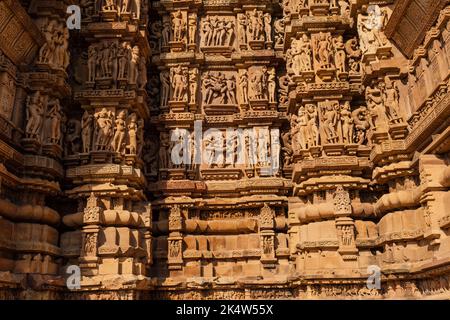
<point x="339" y="54"/>
<point x="119" y="135"/>
<point x="391" y="101"/>
<point x="193" y="83"/>
<point x="134" y="65"/>
<point x="330" y="118"/>
<point x="271" y="85"/>
<point x="242" y="30"/>
<point x="243" y="84"/>
<point x="302" y="130"/>
<point x="165" y="87"/>
<point x="35" y="113"/>
<point x="313" y="130"/>
<point x="92" y="63"/>
<point x="178" y="26"/>
<point x="347" y="123"/>
<point x="55" y="121"/>
<point x="231" y="89"/>
<point x="323" y="47"/>
<point x="104" y="130"/>
<point x="132" y="129"/>
<point x="164" y="150"/>
<point x="192" y="22"/>
<point x="86" y="131"/>
<point x="179" y="83"/>
<point x="267" y="26"/>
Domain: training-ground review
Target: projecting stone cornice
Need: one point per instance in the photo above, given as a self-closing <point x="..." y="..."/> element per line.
<point x="20" y="39"/>
<point x="410" y="21"/>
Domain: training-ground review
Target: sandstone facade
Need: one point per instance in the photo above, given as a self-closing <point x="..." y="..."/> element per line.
<point x="321" y="128"/>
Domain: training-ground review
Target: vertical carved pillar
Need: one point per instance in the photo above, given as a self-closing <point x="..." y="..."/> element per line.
<point x="175" y="239"/>
<point x="345" y="226"/>
<point x="91" y="227"/>
<point x="267" y="233"/>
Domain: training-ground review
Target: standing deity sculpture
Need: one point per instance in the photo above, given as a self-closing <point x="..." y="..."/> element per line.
<point x="178" y="26"/>
<point x="330" y="119"/>
<point x="268" y="27"/>
<point x="92" y="62"/>
<point x="391" y="101"/>
<point x="54" y="116"/>
<point x="347" y="123"/>
<point x="242" y="23"/>
<point x="86" y="131"/>
<point x="123" y="58"/>
<point x="255" y="25"/>
<point x="179" y="83"/>
<point x="339" y="54"/>
<point x="258" y="84"/>
<point x="35" y="115"/>
<point x="72" y="139"/>
<point x="165" y="34"/>
<point x="271" y="84"/>
<point x="323" y="49"/>
<point x="302" y="129"/>
<point x="132" y="134"/>
<point x="301" y="54"/>
<point x="104" y="130"/>
<point x="133" y="71"/>
<point x="243" y="85"/>
<point x="313" y="129"/>
<point x="378" y="119"/>
<point x="165" y="87"/>
<point x="192" y="25"/>
<point x="164" y="150"/>
<point x="120" y="130"/>
<point x="193" y="84"/>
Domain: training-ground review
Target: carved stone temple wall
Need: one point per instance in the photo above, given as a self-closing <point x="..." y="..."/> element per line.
<point x="314" y="135"/>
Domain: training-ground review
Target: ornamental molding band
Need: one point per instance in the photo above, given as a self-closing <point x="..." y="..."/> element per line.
<point x="292" y="149"/>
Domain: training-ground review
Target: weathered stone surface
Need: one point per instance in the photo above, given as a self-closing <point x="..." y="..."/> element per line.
<point x="225" y="150"/>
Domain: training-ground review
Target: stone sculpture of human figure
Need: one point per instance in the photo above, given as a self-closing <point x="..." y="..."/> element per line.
<point x="104" y="130"/>
<point x="330" y="118"/>
<point x="134" y="65"/>
<point x="206" y="32"/>
<point x="339" y="53"/>
<point x="302" y="131"/>
<point x="242" y="28"/>
<point x="92" y="63"/>
<point x="165" y="87"/>
<point x="165" y="34"/>
<point x="267" y="26"/>
<point x="231" y="89"/>
<point x="305" y="53"/>
<point x="34" y="115"/>
<point x="347" y="123"/>
<point x="243" y="84"/>
<point x="178" y="25"/>
<point x="193" y="84"/>
<point x="271" y="85"/>
<point x="179" y="83"/>
<point x="132" y="133"/>
<point x="164" y="150"/>
<point x="86" y="131"/>
<point x="391" y="101"/>
<point x="55" y="121"/>
<point x="120" y="130"/>
<point x="313" y="130"/>
<point x="192" y="22"/>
